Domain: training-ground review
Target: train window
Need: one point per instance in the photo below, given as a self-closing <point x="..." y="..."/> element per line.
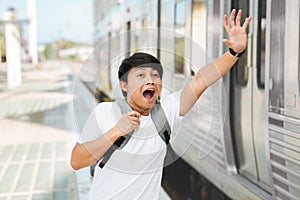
<point x="179" y="21"/>
<point x="212" y="31"/>
<point x="109" y="48"/>
<point x="114" y="45"/>
<point x="180" y="13"/>
<point x="277" y="49"/>
<point x="136" y="34"/>
<point x="241" y="70"/>
<point x="261" y="45"/>
<point x="179" y="53"/>
<point x="299" y="60"/>
<point x="128" y="46"/>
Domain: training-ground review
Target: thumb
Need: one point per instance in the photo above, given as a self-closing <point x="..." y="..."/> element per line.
<point x="227" y="42"/>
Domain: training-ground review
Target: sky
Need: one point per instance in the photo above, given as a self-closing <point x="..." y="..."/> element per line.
<point x="56" y="19"/>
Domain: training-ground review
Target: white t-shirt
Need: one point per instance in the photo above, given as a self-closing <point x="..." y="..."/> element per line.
<point x="135" y="171"/>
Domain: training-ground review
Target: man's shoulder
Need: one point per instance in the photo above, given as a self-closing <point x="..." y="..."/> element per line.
<point x="104" y="105"/>
<point x="172" y="97"/>
<point x="105" y="109"/>
<point x="171" y="107"/>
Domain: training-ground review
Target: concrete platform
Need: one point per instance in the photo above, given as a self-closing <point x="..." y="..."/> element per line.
<point x="35" y="141"/>
<point x="34" y="162"/>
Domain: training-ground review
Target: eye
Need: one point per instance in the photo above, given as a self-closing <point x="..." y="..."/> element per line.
<point x="155" y="75"/>
<point x="140" y="75"/>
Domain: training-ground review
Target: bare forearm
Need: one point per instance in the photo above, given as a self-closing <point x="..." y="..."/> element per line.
<point x="87" y="153"/>
<point x="215" y="70"/>
<point x="204" y="78"/>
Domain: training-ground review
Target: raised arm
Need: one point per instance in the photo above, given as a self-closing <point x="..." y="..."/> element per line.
<point x="210" y="73"/>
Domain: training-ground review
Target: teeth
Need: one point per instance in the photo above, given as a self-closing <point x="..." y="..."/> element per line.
<point x="150" y="89"/>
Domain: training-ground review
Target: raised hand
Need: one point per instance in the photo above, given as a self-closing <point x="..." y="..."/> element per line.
<point x="129" y="122"/>
<point x="237" y="33"/>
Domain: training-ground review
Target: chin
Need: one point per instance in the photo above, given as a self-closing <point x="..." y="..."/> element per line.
<point x="148" y="104"/>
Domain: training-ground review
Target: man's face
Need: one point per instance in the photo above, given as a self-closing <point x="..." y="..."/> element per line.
<point x="143" y="87"/>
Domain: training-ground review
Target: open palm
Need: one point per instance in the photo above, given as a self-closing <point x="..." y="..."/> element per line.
<point x="237" y="33"/>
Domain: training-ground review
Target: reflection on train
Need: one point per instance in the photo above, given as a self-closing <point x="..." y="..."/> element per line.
<point x="242" y="140"/>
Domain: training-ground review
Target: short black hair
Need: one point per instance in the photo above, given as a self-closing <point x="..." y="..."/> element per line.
<point x="139" y="60"/>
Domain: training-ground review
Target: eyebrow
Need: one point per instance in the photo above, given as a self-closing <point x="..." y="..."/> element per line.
<point x="141" y="68"/>
<point x="138" y="68"/>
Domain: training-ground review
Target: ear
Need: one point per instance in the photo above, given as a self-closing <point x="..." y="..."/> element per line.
<point x="123" y="86"/>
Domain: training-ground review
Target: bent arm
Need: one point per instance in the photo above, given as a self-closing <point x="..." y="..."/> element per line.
<point x="210" y="73"/>
<point x="205" y="77"/>
<point x="85" y="154"/>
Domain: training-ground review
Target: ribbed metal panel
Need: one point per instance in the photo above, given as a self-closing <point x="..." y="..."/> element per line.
<point x="284" y="144"/>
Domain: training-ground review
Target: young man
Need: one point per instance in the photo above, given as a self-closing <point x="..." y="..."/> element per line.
<point x="135" y="171"/>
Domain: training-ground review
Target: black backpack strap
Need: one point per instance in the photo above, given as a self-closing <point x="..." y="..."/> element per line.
<point x="111" y="150"/>
<point x="162" y="126"/>
<point x="121" y="141"/>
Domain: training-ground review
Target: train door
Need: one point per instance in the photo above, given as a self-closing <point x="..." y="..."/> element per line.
<point x="248" y="100"/>
<point x="284" y="98"/>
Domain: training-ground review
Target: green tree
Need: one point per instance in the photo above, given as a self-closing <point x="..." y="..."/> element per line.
<point x="2" y="44"/>
<point x="51" y="50"/>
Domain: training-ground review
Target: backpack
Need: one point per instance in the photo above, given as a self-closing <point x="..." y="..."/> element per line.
<point x="161" y="124"/>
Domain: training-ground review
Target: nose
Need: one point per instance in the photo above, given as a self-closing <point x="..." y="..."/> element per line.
<point x="150" y="83"/>
<point x="149" y="80"/>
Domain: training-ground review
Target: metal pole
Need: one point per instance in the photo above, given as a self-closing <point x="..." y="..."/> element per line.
<point x="32" y="30"/>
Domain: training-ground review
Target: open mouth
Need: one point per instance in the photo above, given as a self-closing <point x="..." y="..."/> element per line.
<point x="148" y="94"/>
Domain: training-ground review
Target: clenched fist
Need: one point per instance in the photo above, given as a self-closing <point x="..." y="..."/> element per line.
<point x="129" y="122"/>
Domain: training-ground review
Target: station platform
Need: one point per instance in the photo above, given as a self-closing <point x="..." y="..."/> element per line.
<point x="38" y="130"/>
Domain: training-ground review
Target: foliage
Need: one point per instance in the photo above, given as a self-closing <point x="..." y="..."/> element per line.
<point x="52" y="49"/>
<point x="2" y="44"/>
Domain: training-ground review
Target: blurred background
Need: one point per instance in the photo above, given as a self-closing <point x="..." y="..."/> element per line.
<point x="42" y="46"/>
<point x="60" y="58"/>
<point x="51" y="25"/>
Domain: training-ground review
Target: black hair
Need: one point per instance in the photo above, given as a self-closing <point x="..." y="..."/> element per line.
<point x="139" y="60"/>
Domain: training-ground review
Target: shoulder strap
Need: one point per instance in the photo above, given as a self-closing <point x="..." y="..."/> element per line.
<point x="123" y="105"/>
<point x="121" y="141"/>
<point x="160" y="121"/>
<point x="111" y="150"/>
<point x="125" y="108"/>
<point x="162" y="126"/>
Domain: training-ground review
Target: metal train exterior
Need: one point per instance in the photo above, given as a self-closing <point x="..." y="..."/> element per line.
<point x="244" y="133"/>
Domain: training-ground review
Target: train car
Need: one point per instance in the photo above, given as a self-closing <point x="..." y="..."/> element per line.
<point x="242" y="138"/>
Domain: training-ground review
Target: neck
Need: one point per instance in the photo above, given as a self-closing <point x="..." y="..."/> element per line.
<point x="141" y="110"/>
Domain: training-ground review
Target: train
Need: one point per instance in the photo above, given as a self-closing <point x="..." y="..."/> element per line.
<point x="242" y="138"/>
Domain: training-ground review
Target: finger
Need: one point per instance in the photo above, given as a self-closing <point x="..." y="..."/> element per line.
<point x="227" y="42"/>
<point x="232" y="15"/>
<point x="135" y="128"/>
<point x="247" y="21"/>
<point x="134" y="117"/>
<point x="134" y="120"/>
<point x="238" y="18"/>
<point x="134" y="113"/>
<point x="226" y="26"/>
<point x="135" y="124"/>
